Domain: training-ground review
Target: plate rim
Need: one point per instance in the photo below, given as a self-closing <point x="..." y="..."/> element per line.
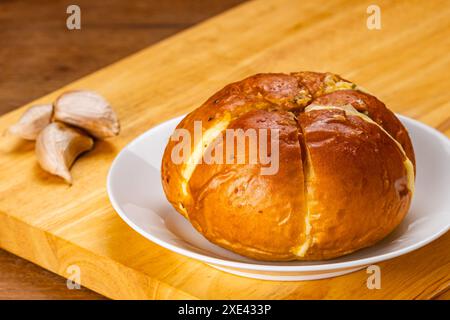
<point x="262" y="267"/>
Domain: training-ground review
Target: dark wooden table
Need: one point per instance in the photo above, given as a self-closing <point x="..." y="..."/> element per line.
<point x="38" y="54"/>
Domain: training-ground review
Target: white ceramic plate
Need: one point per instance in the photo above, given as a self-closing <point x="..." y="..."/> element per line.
<point x="135" y="191"/>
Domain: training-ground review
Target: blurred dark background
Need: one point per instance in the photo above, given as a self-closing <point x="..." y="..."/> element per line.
<point x="38" y="54"/>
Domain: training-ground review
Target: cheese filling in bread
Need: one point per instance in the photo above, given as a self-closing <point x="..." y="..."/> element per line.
<point x="207" y="137"/>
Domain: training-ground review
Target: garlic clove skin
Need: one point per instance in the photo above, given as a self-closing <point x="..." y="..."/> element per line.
<point x="57" y="147"/>
<point x="87" y="110"/>
<point x="32" y="122"/>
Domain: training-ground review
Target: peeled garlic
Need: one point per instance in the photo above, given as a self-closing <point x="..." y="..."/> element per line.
<point x="87" y="110"/>
<point x="32" y="121"/>
<point x="57" y="147"/>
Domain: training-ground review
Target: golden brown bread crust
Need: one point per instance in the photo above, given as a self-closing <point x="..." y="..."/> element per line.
<point x="375" y="109"/>
<point x="343" y="181"/>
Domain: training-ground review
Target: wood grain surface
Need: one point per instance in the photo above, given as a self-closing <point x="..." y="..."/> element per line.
<point x="39" y="54"/>
<point x="34" y="60"/>
<point x="406" y="64"/>
<point x="20" y="279"/>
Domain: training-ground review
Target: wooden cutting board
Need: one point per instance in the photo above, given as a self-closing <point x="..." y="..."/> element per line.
<point x="406" y="63"/>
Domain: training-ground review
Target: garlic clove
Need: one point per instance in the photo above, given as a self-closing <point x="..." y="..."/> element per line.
<point x="32" y="122"/>
<point x="57" y="147"/>
<point x="87" y="110"/>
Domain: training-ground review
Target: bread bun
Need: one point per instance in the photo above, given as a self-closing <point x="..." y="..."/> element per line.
<point x="345" y="175"/>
